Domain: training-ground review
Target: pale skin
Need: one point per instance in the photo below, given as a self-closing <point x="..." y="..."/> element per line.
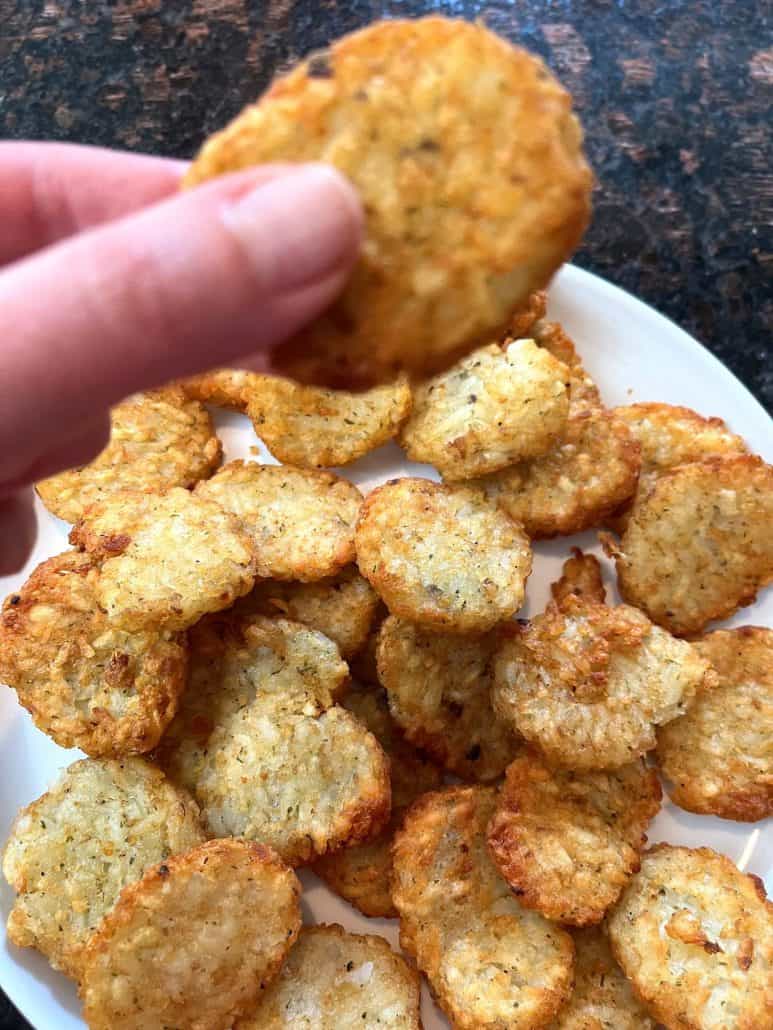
<point x="113" y="281"/>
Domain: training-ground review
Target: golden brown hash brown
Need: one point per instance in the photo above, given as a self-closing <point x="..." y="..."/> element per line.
<point x="602" y="998"/>
<point x="719" y="755"/>
<point x="301" y="521"/>
<point x="86" y="682"/>
<point x="158" y="440"/>
<point x="491" y="964"/>
<point x="439" y="691"/>
<point x="583" y="393"/>
<point x="362" y="874"/>
<point x="524" y="318"/>
<point x="698" y="545"/>
<point x="496" y="406"/>
<point x="343" y="607"/>
<point x="263" y="748"/>
<point x="695" y="938"/>
<point x="70" y="853"/>
<point x="589" y="474"/>
<point x="222" y="387"/>
<point x="334" y="980"/>
<point x="312" y="427"/>
<point x="441" y="555"/>
<point x="193" y="944"/>
<point x="580" y="580"/>
<point x="568" y="842"/>
<point x="588" y="684"/>
<point x="469" y="164"/>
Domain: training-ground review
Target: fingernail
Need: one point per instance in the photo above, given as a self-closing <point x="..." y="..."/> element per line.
<point x="299" y="228"/>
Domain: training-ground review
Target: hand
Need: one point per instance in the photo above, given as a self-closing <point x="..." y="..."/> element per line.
<point x="112" y="281"/>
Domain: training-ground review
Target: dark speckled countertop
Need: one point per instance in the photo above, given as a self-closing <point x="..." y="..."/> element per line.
<point x="675" y="98"/>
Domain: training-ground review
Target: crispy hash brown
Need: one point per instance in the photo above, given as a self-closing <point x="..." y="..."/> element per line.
<point x="71" y="852"/>
<point x="496" y="406"/>
<point x="334" y="980"/>
<point x="300" y="520"/>
<point x="194" y="943"/>
<point x="362" y="874"/>
<point x="572" y="488"/>
<point x="263" y="748"/>
<point x="719" y="755"/>
<point x="84" y="680"/>
<point x="695" y="938"/>
<point x="580" y="580"/>
<point x="583" y="393"/>
<point x="468" y="161"/>
<point x="439" y="691"/>
<point x="567" y="842"/>
<point x="442" y="556"/>
<point x="342" y="607"/>
<point x="602" y="998"/>
<point x="223" y="387"/>
<point x="312" y="427"/>
<point x="167" y="559"/>
<point x="158" y="440"/>
<point x="698" y="545"/>
<point x="490" y="962"/>
<point x="589" y="684"/>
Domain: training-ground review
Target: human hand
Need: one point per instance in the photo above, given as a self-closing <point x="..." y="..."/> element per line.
<point x="111" y="281"/>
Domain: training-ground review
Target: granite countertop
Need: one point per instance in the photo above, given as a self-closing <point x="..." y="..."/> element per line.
<point x="675" y="98"/>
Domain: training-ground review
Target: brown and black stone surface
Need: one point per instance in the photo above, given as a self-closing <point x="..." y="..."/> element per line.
<point x="676" y="99"/>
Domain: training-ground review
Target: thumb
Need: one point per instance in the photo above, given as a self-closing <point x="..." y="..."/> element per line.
<point x="222" y="271"/>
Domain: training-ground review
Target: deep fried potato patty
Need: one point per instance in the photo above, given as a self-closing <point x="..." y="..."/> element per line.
<point x="439" y="691"/>
<point x="566" y="842"/>
<point x="194" y="943"/>
<point x="71" y="852"/>
<point x="312" y="427"/>
<point x="223" y="387"/>
<point x="698" y="545"/>
<point x="496" y="406"/>
<point x="719" y="754"/>
<point x="583" y="393"/>
<point x="334" y="980"/>
<point x="342" y="607"/>
<point x="442" y="556"/>
<point x="362" y="874"/>
<point x="86" y="682"/>
<point x="580" y="580"/>
<point x="589" y="473"/>
<point x="301" y="520"/>
<point x="602" y="998"/>
<point x="157" y="440"/>
<point x="695" y="938"/>
<point x="468" y="161"/>
<point x="490" y="962"/>
<point x="589" y="684"/>
<point x="167" y="559"/>
<point x="263" y="748"/>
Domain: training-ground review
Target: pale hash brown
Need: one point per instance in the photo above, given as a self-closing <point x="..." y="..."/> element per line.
<point x="695" y="938"/>
<point x="313" y="427"/>
<point x="263" y="748"/>
<point x="468" y="161"/>
<point x="301" y="521"/>
<point x="568" y="842"/>
<point x="439" y="691"/>
<point x="362" y="874"/>
<point x="698" y="545"/>
<point x="491" y="964"/>
<point x="496" y="406"/>
<point x="718" y="756"/>
<point x="334" y="980"/>
<point x="442" y="555"/>
<point x="158" y="440"/>
<point x="86" y="682"/>
<point x="343" y="607"/>
<point x="602" y="998"/>
<point x="70" y="853"/>
<point x="573" y="487"/>
<point x="166" y="559"/>
<point x="193" y="944"/>
<point x="588" y="684"/>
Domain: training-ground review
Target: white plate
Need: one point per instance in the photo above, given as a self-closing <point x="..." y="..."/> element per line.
<point x="634" y="354"/>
